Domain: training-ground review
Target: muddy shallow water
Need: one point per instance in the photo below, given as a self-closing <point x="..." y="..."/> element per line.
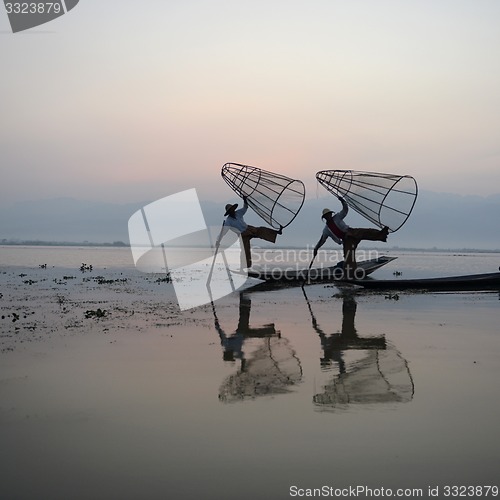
<point x="255" y="396"/>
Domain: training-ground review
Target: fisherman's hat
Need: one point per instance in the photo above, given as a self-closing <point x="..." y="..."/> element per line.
<point x="326" y="211"/>
<point x="230" y="208"/>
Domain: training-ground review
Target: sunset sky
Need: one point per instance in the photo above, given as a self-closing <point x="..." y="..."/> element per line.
<point x="129" y="101"/>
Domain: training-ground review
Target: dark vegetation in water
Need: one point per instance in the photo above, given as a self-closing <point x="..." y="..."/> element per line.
<point x="101" y="280"/>
<point x="165" y="279"/>
<point x="392" y="296"/>
<point x="36" y="306"/>
<point x="14" y="316"/>
<point x="98" y="313"/>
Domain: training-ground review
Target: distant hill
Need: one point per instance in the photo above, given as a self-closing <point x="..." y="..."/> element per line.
<point x="440" y="220"/>
<point x="66" y="219"/>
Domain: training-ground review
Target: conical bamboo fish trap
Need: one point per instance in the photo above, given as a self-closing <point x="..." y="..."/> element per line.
<point x="384" y="199"/>
<point x="274" y="197"/>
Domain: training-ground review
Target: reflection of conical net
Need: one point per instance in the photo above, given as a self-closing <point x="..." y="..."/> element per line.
<point x="273" y="368"/>
<point x="382" y="377"/>
<point x="276" y="198"/>
<point x="384" y="199"/>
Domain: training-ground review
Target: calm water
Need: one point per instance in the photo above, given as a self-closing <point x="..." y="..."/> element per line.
<point x="258" y="393"/>
<point x="413" y="264"/>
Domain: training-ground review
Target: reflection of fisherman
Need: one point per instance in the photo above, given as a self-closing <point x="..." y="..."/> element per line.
<point x="272" y="368"/>
<point x="334" y="345"/>
<point x="381" y="376"/>
<point x="349" y="237"/>
<point x="235" y="222"/>
<point x="233" y="344"/>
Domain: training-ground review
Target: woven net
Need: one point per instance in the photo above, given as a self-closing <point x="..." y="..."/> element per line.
<point x="384" y="199"/>
<point x="275" y="198"/>
<point x="273" y="369"/>
<point x="381" y="377"/>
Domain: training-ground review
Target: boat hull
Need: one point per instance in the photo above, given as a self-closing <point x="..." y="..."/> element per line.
<point x="473" y="282"/>
<point x="318" y="274"/>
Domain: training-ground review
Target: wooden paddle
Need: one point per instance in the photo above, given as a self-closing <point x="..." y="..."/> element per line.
<point x="310" y="265"/>
<point x="308" y="269"/>
<point x="217" y="243"/>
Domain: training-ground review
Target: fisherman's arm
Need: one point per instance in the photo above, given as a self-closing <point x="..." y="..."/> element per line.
<point x="320" y="243"/>
<point x="345" y="208"/>
<point x="243" y="210"/>
<point x="224" y="229"/>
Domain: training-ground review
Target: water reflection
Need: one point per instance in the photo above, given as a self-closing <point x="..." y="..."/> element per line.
<point x="357" y="369"/>
<point x="272" y="366"/>
<point x="381" y="375"/>
<point x="334" y="344"/>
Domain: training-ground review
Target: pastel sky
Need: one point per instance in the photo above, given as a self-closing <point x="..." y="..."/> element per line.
<point x="133" y="100"/>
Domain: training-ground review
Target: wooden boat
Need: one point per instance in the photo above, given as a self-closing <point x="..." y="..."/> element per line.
<point x="316" y="274"/>
<point x="472" y="282"/>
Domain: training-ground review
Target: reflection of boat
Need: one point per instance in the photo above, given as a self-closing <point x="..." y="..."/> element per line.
<point x="272" y="367"/>
<point x="317" y="274"/>
<point x="381" y="376"/>
<point x="490" y="281"/>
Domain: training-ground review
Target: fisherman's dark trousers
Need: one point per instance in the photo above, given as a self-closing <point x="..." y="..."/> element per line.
<point x="350" y="243"/>
<point x="263" y="233"/>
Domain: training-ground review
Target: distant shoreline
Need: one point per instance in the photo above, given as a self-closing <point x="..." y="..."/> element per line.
<point x="36" y="243"/>
<point x="121" y="244"/>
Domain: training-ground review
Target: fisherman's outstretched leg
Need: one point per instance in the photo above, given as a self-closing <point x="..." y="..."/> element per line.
<point x="369" y="234"/>
<point x="266" y="233"/>
<point x="263" y="233"/>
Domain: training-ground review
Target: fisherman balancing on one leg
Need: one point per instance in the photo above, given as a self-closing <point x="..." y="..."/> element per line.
<point x="349" y="237"/>
<point x="235" y="222"/>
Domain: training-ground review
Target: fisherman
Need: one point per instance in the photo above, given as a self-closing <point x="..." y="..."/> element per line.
<point x="235" y="222"/>
<point x="336" y="229"/>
